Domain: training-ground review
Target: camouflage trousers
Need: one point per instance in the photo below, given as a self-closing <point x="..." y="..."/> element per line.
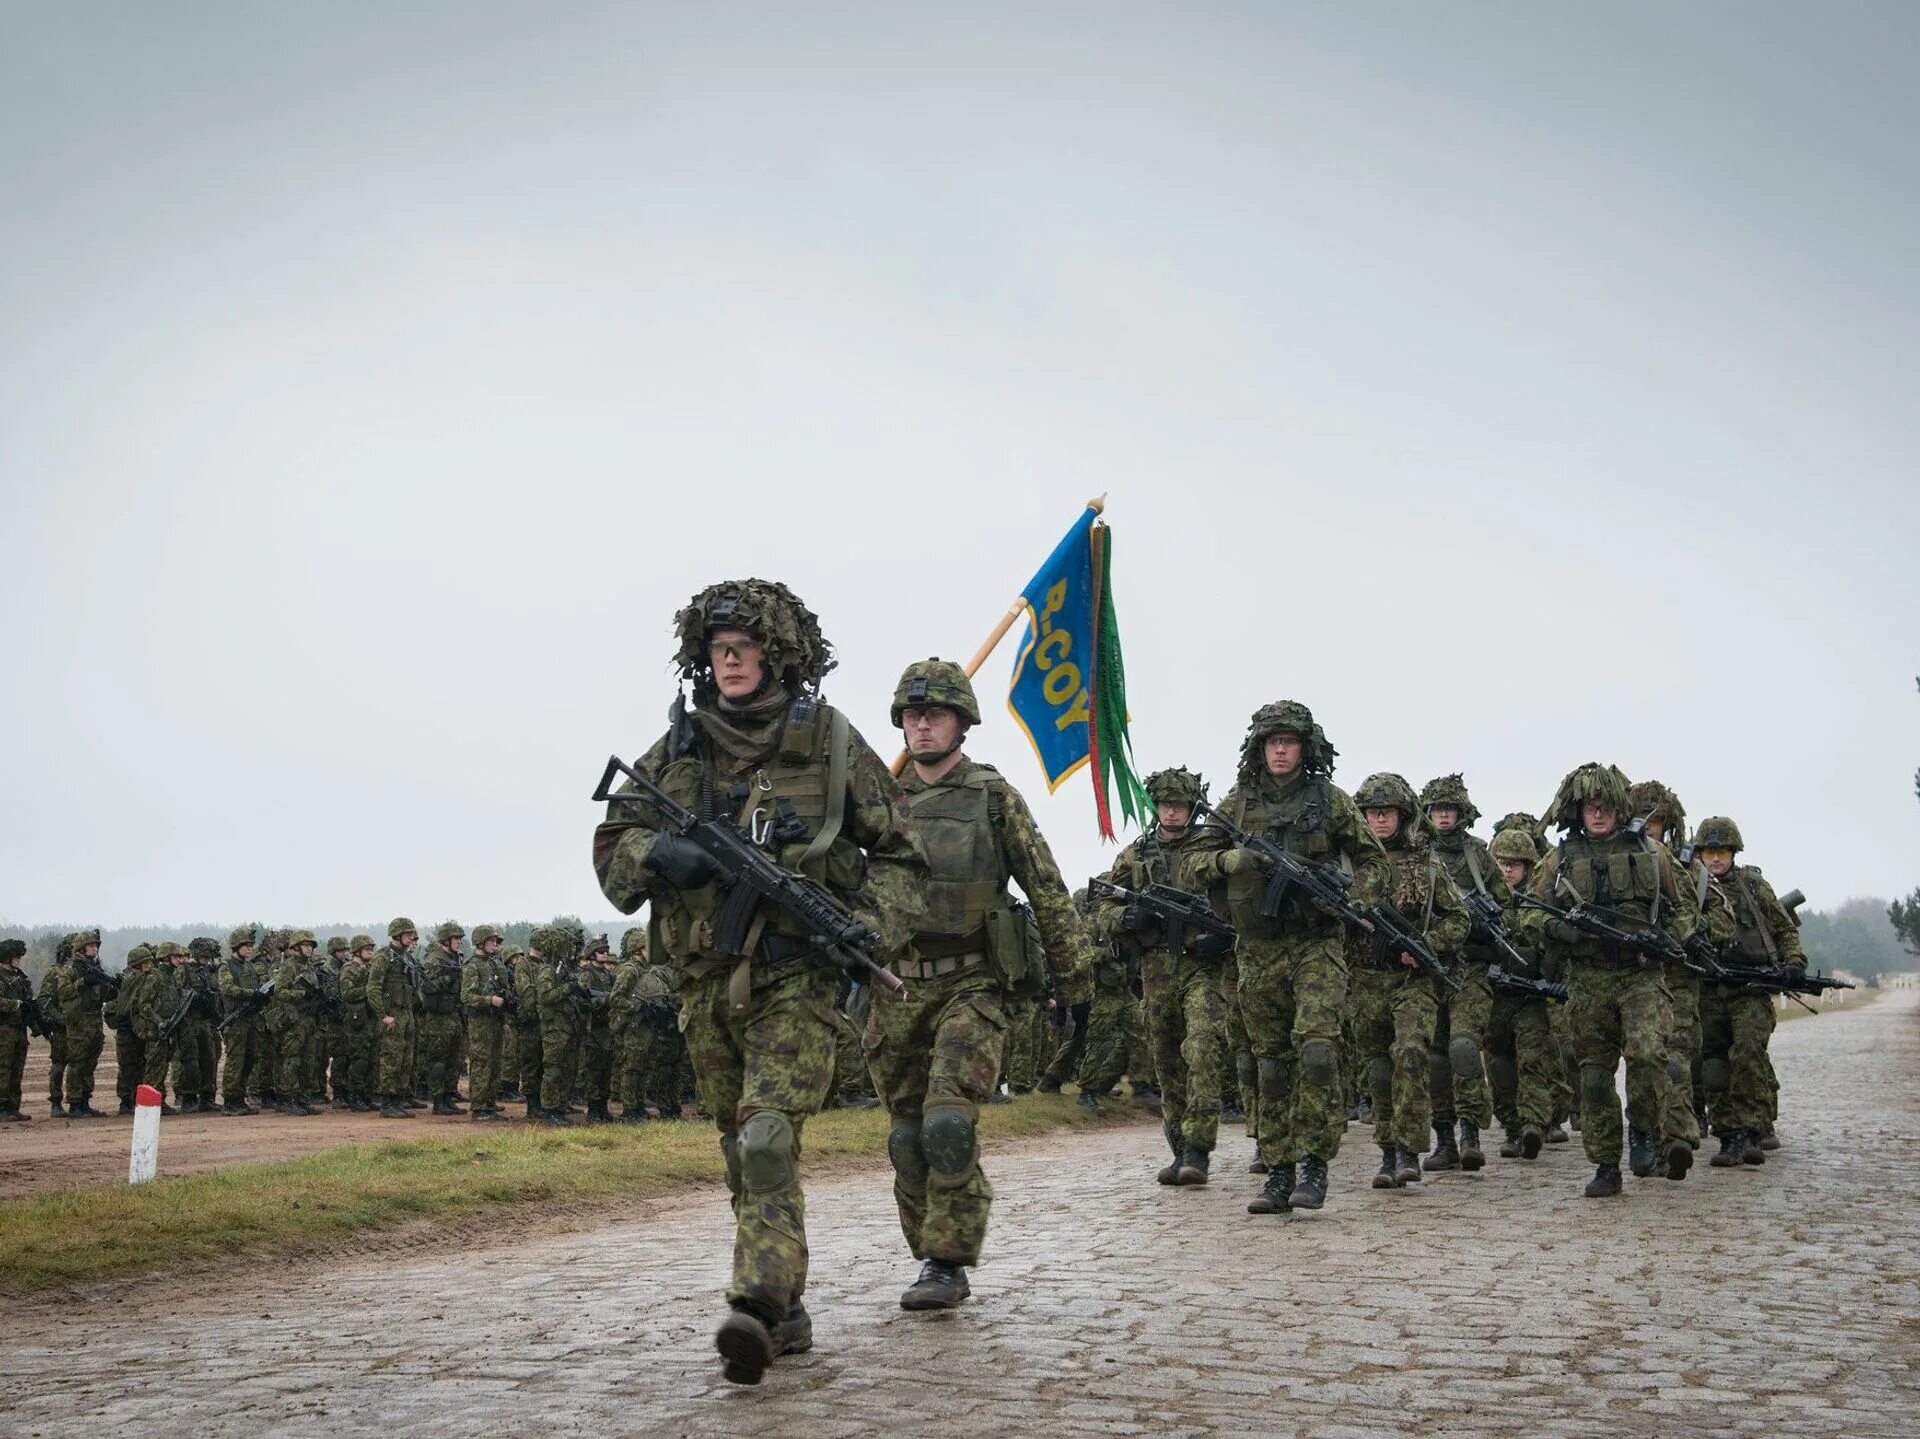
<point x="1292" y="992"/>
<point x="1683" y="1040"/>
<point x="1240" y="1079"/>
<point x="1456" y="1064"/>
<point x="155" y="1059"/>
<point x="761" y="1074"/>
<point x="935" y="1058"/>
<point x="394" y="1071"/>
<point x="129" y="1059"/>
<point x="1735" y="1026"/>
<point x="297" y="1037"/>
<point x="1186" y="1022"/>
<point x="648" y="1062"/>
<point x="596" y="1063"/>
<point x="1617" y="1012"/>
<point x="1523" y="1067"/>
<point x="85" y="1041"/>
<point x="440" y="1054"/>
<point x="13" y="1060"/>
<point x="1097" y="1053"/>
<point x="196" y="1060"/>
<point x="1393" y="1013"/>
<point x="1026" y="1058"/>
<point x="509" y="1056"/>
<point x="532" y="1058"/>
<point x="485" y="1037"/>
<point x="56" y="1066"/>
<point x="242" y="1054"/>
<point x="851" y="1079"/>
<point x="1566" y="1071"/>
<point x="560" y="1035"/>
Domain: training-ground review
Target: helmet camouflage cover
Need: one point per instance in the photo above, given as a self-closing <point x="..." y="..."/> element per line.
<point x="300" y="936"/>
<point x="1176" y="786"/>
<point x="360" y="942"/>
<point x="1387" y="790"/>
<point x="242" y="935"/>
<point x="338" y="944"/>
<point x="633" y="942"/>
<point x="169" y="950"/>
<point x="1650" y="799"/>
<point x="935" y="682"/>
<point x="448" y="930"/>
<point x="1285" y="717"/>
<point x="1718" y="832"/>
<point x="484" y="932"/>
<point x="138" y="955"/>
<point x="1515" y="845"/>
<point x="1603" y="782"/>
<point x="1450" y="789"/>
<point x="1527" y="824"/>
<point x="12" y="949"/>
<point x="400" y="926"/>
<point x="798" y="655"/>
<point x="205" y="947"/>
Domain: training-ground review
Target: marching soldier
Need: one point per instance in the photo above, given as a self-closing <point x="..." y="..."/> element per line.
<point x="1457" y="1073"/>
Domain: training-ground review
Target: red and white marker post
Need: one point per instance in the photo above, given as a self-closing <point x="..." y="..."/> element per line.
<point x="144" y="1162"/>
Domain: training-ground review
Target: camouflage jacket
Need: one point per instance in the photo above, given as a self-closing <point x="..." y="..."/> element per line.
<point x="440" y="981"/>
<point x="15" y="990"/>
<point x="1470" y="865"/>
<point x="1414" y="881"/>
<point x="392" y="983"/>
<point x="296" y="987"/>
<point x="155" y="995"/>
<point x="557" y="991"/>
<point x="599" y="979"/>
<point x="484" y="977"/>
<point x="353" y="990"/>
<point x="1157" y="858"/>
<point x="1764" y="933"/>
<point x="1623" y="871"/>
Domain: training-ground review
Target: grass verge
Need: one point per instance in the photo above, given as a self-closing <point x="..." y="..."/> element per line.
<point x="59" y="1241"/>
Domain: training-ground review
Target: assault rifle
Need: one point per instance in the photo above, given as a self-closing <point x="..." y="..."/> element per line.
<point x="1177" y="912"/>
<point x="1503" y="981"/>
<point x="1489" y="924"/>
<point x="1782" y="979"/>
<point x="751" y="879"/>
<point x="36" y="1022"/>
<point x="90" y="973"/>
<point x="196" y="998"/>
<point x="1625" y="932"/>
<point x="247" y="1006"/>
<point x="1326" y="887"/>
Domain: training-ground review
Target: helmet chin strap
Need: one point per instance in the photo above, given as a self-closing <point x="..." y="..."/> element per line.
<point x="959" y="738"/>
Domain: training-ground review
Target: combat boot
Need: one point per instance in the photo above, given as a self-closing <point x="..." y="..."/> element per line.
<point x="1605" y="1182"/>
<point x="1640" y="1155"/>
<point x="230" y="1107"/>
<point x="1311" y="1191"/>
<point x="794" y="1334"/>
<point x="1510" y="1146"/>
<point x="1276" y="1195"/>
<point x="1366" y="1110"/>
<point x="744" y="1341"/>
<point x="84" y="1110"/>
<point x="555" y="1117"/>
<point x="1557" y="1134"/>
<point x="393" y="1107"/>
<point x="1530" y="1142"/>
<point x="1171" y="1174"/>
<point x="1471" y="1155"/>
<point x="55" y="1110"/>
<point x="342" y="1101"/>
<point x="1047" y="1086"/>
<point x="1406" y="1166"/>
<point x="440" y="1106"/>
<point x="1193" y="1166"/>
<point x="166" y="1108"/>
<point x="1754" y="1147"/>
<point x="10" y="1114"/>
<point x="1768" y="1139"/>
<point x="510" y="1095"/>
<point x="1445" y="1155"/>
<point x="1679" y="1158"/>
<point x="1088" y="1100"/>
<point x="487" y="1116"/>
<point x="1573" y="1120"/>
<point x="1389" y="1175"/>
<point x="207" y="1106"/>
<point x="1145" y="1094"/>
<point x="1730" y="1150"/>
<point x="1258" y="1166"/>
<point x="126" y="1108"/>
<point x="363" y="1104"/>
<point x="941" y="1285"/>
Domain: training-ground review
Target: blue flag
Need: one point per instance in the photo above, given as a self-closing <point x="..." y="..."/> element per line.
<point x="1050" y="695"/>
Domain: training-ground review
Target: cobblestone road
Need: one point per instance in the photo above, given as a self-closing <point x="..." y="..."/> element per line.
<point x="1782" y="1300"/>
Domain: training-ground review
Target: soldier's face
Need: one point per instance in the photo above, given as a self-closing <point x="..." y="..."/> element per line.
<point x="1385" y="823"/>
<point x="245" y="951"/>
<point x="1598" y="818"/>
<point x="407" y="941"/>
<point x="1283" y="753"/>
<point x="1718" y="861"/>
<point x="306" y="950"/>
<point x="91" y="951"/>
<point x="452" y="946"/>
<point x="739" y="662"/>
<point x="490" y="946"/>
<point x="1444" y="816"/>
<point x="1514" y="872"/>
<point x="363" y="955"/>
<point x="930" y="729"/>
<point x="1174" y="814"/>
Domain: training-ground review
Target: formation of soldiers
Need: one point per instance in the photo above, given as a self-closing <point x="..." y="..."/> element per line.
<point x="1302" y="956"/>
<point x="276" y="1024"/>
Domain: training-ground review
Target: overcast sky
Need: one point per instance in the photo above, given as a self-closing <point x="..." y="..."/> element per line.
<point x="1516" y="385"/>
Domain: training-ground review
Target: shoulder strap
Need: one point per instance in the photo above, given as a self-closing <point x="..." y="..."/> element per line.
<point x="1759" y="920"/>
<point x="1473" y="865"/>
<point x="837" y="741"/>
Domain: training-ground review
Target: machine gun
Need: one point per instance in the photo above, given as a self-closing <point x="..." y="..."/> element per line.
<point x="1327" y="887"/>
<point x="1177" y="912"/>
<point x="751" y="879"/>
<point x="247" y="1006"/>
<point x="1502" y="981"/>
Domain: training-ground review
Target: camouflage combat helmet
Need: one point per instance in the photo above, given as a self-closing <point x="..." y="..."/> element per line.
<point x="597" y="945"/>
<point x="936" y="682"/>
<point x="1387" y="790"/>
<point x="1650" y="799"/>
<point x="140" y="954"/>
<point x="512" y="954"/>
<point x="241" y="936"/>
<point x="12" y="949"/>
<point x="1450" y="789"/>
<point x="448" y="930"/>
<point x="63" y="950"/>
<point x="798" y="655"/>
<point x="360" y="942"/>
<point x="1515" y="845"/>
<point x="85" y="937"/>
<point x="338" y="945"/>
<point x="633" y="942"/>
<point x="169" y="950"/>
<point x="542" y="941"/>
<point x="1285" y="717"/>
<point x="204" y="947"/>
<point x="1176" y="786"/>
<point x="1718" y="832"/>
<point x="400" y="926"/>
<point x="1592" y="780"/>
<point x="484" y="932"/>
<point x="300" y="936"/>
<point x="1528" y="825"/>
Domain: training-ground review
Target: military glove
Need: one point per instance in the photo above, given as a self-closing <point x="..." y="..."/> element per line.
<point x="680" y="862"/>
<point x="1135" y="918"/>
<point x="1241" y="861"/>
<point x="1565" y="930"/>
<point x="1796" y="972"/>
<point x="1210" y="946"/>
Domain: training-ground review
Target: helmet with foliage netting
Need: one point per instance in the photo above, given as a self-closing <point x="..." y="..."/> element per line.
<point x="1603" y="782"/>
<point x="798" y="655"/>
<point x="1285" y="717"/>
<point x="1450" y="789"/>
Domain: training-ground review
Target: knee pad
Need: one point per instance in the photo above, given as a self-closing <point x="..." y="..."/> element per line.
<point x="1504" y="1075"/>
<point x="1596" y="1087"/>
<point x="1379" y="1073"/>
<point x="947" y="1142"/>
<point x="766" y="1152"/>
<point x="1275" y="1076"/>
<point x="1319" y="1062"/>
<point x="730" y="1150"/>
<point x="909" y="1160"/>
<point x="1677" y="1072"/>
<point x="1715" y="1074"/>
<point x="1246" y="1072"/>
<point x="1464" y="1057"/>
<point x="1439" y="1072"/>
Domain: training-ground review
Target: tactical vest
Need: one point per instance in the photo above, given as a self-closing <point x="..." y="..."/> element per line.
<point x="1468" y="868"/>
<point x="1297" y="822"/>
<point x="959" y="827"/>
<point x="1624" y="877"/>
<point x="441" y="987"/>
<point x="793" y="806"/>
<point x="1753" y="940"/>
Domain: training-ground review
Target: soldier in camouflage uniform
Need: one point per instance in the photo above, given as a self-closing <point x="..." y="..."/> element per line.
<point x="1619" y="1001"/>
<point x="1395" y="1007"/>
<point x="129" y="1055"/>
<point x="596" y="1048"/>
<point x="1456" y="1064"/>
<point x="84" y="992"/>
<point x="196" y="1049"/>
<point x="561" y="996"/>
<point x="393" y="999"/>
<point x="526" y="1022"/>
<point x="1565" y="1087"/>
<point x="1737" y="1022"/>
<point x="294" y="1018"/>
<point x="1185" y="993"/>
<point x="935" y="1056"/>
<point x="51" y="1010"/>
<point x="238" y="982"/>
<point x="484" y="987"/>
<point x="156" y="992"/>
<point x="1663" y="819"/>
<point x="266" y="1072"/>
<point x="331" y="1081"/>
<point x="439" y="1039"/>
<point x="1523" y="1062"/>
<point x="357" y="1065"/>
<point x="646" y="1016"/>
<point x="761" y="1041"/>
<point x="1293" y="968"/>
<point x="16" y="993"/>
